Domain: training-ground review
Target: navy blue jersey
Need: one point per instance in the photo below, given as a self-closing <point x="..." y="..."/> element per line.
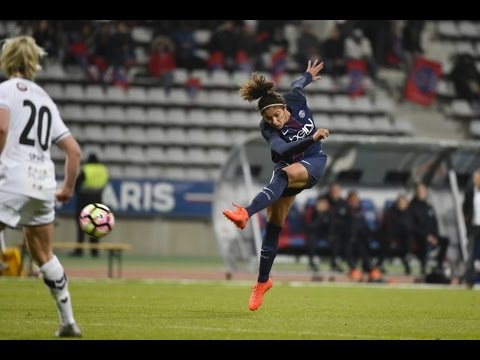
<point x="294" y="141"/>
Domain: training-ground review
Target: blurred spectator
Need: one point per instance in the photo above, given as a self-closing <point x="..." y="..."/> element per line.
<point x="334" y="54"/>
<point x="248" y="51"/>
<point x="223" y="47"/>
<point x="466" y="78"/>
<point x="161" y="64"/>
<point x="279" y="52"/>
<point x="81" y="48"/>
<point x="186" y="47"/>
<point x="308" y="45"/>
<point x="395" y="54"/>
<point x="379" y="33"/>
<point x="425" y="229"/>
<point x="398" y="231"/>
<point x="412" y="41"/>
<point x="193" y="87"/>
<point x="318" y="229"/>
<point x="358" y="47"/>
<point x="163" y="27"/>
<point x="46" y="35"/>
<point x="121" y="44"/>
<point x="358" y="240"/>
<point x="266" y="30"/>
<point x="339" y="232"/>
<point x="103" y="52"/>
<point x="471" y="210"/>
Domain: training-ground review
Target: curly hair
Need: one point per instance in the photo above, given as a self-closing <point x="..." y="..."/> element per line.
<point x="21" y="54"/>
<point x="259" y="88"/>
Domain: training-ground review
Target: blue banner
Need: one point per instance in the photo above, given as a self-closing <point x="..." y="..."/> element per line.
<point x="149" y="198"/>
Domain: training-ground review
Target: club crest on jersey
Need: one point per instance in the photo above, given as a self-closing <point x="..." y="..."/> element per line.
<point x="301" y="113"/>
<point x="21" y="87"/>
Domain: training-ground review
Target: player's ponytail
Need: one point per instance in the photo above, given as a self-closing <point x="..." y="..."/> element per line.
<point x="259" y="88"/>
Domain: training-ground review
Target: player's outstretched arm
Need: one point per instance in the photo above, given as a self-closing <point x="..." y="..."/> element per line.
<point x="314" y="69"/>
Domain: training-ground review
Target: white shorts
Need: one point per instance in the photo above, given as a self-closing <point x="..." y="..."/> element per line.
<point x="20" y="210"/>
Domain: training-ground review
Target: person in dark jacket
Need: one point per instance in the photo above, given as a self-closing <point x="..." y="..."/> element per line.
<point x="425" y="229"/>
<point x="339" y="229"/>
<point x="471" y="211"/>
<point x="318" y="229"/>
<point x="398" y="231"/>
<point x="359" y="237"/>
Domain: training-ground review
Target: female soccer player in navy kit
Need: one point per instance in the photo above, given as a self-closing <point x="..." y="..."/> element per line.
<point x="294" y="140"/>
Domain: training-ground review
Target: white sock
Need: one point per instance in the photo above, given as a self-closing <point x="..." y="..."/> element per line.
<point x="56" y="280"/>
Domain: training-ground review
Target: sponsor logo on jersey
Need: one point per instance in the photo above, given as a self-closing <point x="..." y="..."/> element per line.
<point x="301" y="113"/>
<point x="21" y="86"/>
<point x="305" y="131"/>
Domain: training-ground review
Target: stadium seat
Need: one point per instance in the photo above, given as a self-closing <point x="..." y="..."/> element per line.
<point x="94" y="92"/>
<point x="155" y="155"/>
<point x="95" y="133"/>
<point x="136" y="134"/>
<point x="113" y="153"/>
<point x="197" y="117"/>
<point x="137" y="94"/>
<point x="115" y="134"/>
<point x="135" y="114"/>
<point x="156" y="116"/>
<point x="134" y="171"/>
<point x="74" y="92"/>
<point x="72" y="112"/>
<point x="115" y="94"/>
<point x="196" y="155"/>
<point x="175" y="155"/>
<point x="176" y="116"/>
<point x="198" y="136"/>
<point x="94" y="113"/>
<point x="219" y="78"/>
<point x="55" y="91"/>
<point x="115" y="114"/>
<point x="135" y="154"/>
<point x="156" y="96"/>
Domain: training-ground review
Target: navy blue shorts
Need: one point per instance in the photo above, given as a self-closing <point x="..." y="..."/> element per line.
<point x="315" y="166"/>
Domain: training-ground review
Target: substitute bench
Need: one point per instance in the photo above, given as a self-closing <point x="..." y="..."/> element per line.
<point x="114" y="250"/>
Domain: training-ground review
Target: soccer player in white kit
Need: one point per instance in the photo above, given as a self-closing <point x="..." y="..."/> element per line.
<point x="29" y="125"/>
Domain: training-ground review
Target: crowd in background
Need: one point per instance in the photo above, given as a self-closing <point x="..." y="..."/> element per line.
<point x="105" y="49"/>
<point x="340" y="229"/>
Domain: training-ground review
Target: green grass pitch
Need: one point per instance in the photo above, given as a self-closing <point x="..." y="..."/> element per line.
<point x="134" y="309"/>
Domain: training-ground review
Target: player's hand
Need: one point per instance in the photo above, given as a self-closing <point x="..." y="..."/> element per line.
<point x="314" y="69"/>
<point x="63" y="194"/>
<point x="320" y="134"/>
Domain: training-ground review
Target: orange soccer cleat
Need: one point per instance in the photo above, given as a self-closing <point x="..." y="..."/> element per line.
<point x="355" y="275"/>
<point x="239" y="217"/>
<point x="257" y="295"/>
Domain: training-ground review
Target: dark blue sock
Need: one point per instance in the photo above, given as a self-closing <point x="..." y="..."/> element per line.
<point x="269" y="194"/>
<point x="269" y="251"/>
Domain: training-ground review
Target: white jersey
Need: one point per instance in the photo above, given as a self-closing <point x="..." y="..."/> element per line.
<point x="26" y="167"/>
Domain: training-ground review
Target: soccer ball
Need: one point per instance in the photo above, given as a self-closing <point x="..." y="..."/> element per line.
<point x="96" y="220"/>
